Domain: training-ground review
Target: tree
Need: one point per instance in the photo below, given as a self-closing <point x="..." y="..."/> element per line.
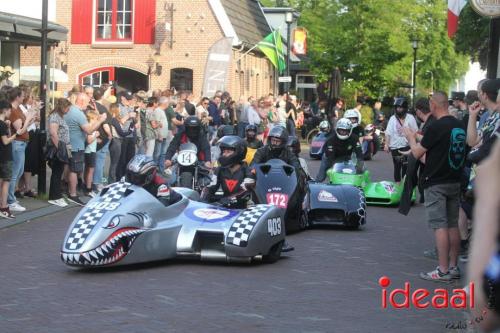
<point x="472" y="35"/>
<point x="370" y="41"/>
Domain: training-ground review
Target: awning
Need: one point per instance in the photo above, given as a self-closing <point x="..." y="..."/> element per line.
<point x="22" y="29"/>
<point x="32" y="73"/>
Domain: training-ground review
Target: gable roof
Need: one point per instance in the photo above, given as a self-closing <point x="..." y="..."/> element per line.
<point x="247" y="20"/>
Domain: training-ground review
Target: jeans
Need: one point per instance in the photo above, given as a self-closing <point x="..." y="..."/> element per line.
<point x="18" y="157"/>
<point x="55" y="192"/>
<point x="160" y="152"/>
<point x="365" y="145"/>
<point x="127" y="153"/>
<point x="241" y="129"/>
<point x="100" y="159"/>
<point x="115" y="149"/>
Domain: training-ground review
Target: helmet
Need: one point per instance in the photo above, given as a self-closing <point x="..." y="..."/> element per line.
<point x="353" y="113"/>
<point x="237" y="145"/>
<point x="324" y="126"/>
<point x="401" y="102"/>
<point x="225" y="130"/>
<point x="193" y="127"/>
<point x="278" y="132"/>
<point x="251" y="128"/>
<point x="369" y="128"/>
<point x="140" y="170"/>
<point x="293" y="145"/>
<point x="343" y="129"/>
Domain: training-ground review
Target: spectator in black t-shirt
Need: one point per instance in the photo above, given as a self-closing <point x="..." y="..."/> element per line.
<point x="444" y="147"/>
<point x="6" y="138"/>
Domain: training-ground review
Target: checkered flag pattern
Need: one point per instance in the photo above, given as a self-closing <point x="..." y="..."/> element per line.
<point x="89" y="219"/>
<point x="242" y="228"/>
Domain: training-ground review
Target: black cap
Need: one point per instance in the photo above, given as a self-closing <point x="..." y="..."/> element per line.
<point x="457" y="95"/>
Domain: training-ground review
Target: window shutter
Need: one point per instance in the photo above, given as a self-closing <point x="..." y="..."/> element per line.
<point x="144" y="21"/>
<point x="81" y="22"/>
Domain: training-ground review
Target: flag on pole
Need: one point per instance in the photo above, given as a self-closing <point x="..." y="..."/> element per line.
<point x="454" y="9"/>
<point x="272" y="47"/>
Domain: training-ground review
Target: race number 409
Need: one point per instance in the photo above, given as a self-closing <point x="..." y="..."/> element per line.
<point x="274" y="226"/>
<point x="103" y="205"/>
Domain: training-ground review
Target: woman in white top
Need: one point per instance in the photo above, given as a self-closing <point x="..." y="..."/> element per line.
<point x="395" y="141"/>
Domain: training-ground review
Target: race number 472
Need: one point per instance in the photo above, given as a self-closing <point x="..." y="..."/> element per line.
<point x="277" y="199"/>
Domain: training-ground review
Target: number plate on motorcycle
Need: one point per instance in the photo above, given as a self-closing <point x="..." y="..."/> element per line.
<point x="186" y="158"/>
<point x="277" y="199"/>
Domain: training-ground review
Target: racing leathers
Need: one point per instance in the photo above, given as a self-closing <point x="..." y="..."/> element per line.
<point x="201" y="143"/>
<point x="235" y="181"/>
<point x="336" y="150"/>
<point x="159" y="188"/>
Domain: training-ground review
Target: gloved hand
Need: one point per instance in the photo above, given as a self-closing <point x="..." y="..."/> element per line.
<point x="228" y="201"/>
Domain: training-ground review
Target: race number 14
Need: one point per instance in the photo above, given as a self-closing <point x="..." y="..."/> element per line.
<point x="274" y="226"/>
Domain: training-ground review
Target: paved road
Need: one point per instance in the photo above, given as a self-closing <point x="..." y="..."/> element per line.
<point x="328" y="284"/>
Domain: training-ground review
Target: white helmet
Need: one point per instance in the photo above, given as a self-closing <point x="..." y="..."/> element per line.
<point x="353" y="113"/>
<point x="343" y="129"/>
<point x="324" y="126"/>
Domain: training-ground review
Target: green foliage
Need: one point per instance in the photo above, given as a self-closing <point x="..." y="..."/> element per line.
<point x="371" y="42"/>
<point x="472" y="35"/>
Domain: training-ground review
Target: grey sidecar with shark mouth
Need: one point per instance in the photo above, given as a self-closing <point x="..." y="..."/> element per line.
<point x="125" y="224"/>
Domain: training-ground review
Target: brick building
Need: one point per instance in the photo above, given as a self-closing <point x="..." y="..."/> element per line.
<point x="156" y="44"/>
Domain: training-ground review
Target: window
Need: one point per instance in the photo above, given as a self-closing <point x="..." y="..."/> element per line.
<point x="181" y="79"/>
<point x="97" y="77"/>
<point x="114" y="20"/>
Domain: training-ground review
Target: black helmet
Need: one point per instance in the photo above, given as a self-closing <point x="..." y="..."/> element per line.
<point x="401" y="102"/>
<point x="225" y="130"/>
<point x="140" y="170"/>
<point x="293" y="145"/>
<point x="251" y="128"/>
<point x="278" y="132"/>
<point x="237" y="145"/>
<point x="193" y="127"/>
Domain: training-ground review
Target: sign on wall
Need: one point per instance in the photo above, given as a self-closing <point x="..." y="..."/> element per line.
<point x="489" y="8"/>
<point x="299" y="46"/>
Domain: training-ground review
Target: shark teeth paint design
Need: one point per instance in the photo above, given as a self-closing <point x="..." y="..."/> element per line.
<point x="109" y="252"/>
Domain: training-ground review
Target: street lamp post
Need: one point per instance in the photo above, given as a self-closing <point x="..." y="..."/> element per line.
<point x="414" y="73"/>
<point x="43" y="96"/>
<point x="288" y="20"/>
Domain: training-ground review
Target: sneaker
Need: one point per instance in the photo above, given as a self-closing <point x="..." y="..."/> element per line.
<point x="59" y="202"/>
<point x="5" y="213"/>
<point x="91" y="194"/>
<point x="16" y="207"/>
<point x="431" y="254"/>
<point x="455" y="272"/>
<point x="463" y="257"/>
<point x="286" y="247"/>
<point x="76" y="200"/>
<point x="436" y="275"/>
<point x="30" y="194"/>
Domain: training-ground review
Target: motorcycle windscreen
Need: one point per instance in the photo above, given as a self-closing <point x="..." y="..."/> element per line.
<point x="276" y="183"/>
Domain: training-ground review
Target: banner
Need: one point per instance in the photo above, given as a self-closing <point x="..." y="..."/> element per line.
<point x="299" y="46"/>
<point x="217" y="67"/>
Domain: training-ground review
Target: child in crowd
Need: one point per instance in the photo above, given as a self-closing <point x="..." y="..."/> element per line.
<point x="6" y="138"/>
<point x="90" y="154"/>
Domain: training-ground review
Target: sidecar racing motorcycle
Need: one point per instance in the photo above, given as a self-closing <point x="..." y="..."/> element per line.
<point x="125" y="224"/>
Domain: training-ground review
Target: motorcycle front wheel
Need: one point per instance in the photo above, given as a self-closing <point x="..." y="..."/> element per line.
<point x="186" y="179"/>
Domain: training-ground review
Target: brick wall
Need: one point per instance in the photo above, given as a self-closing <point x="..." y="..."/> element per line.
<point x="195" y="30"/>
